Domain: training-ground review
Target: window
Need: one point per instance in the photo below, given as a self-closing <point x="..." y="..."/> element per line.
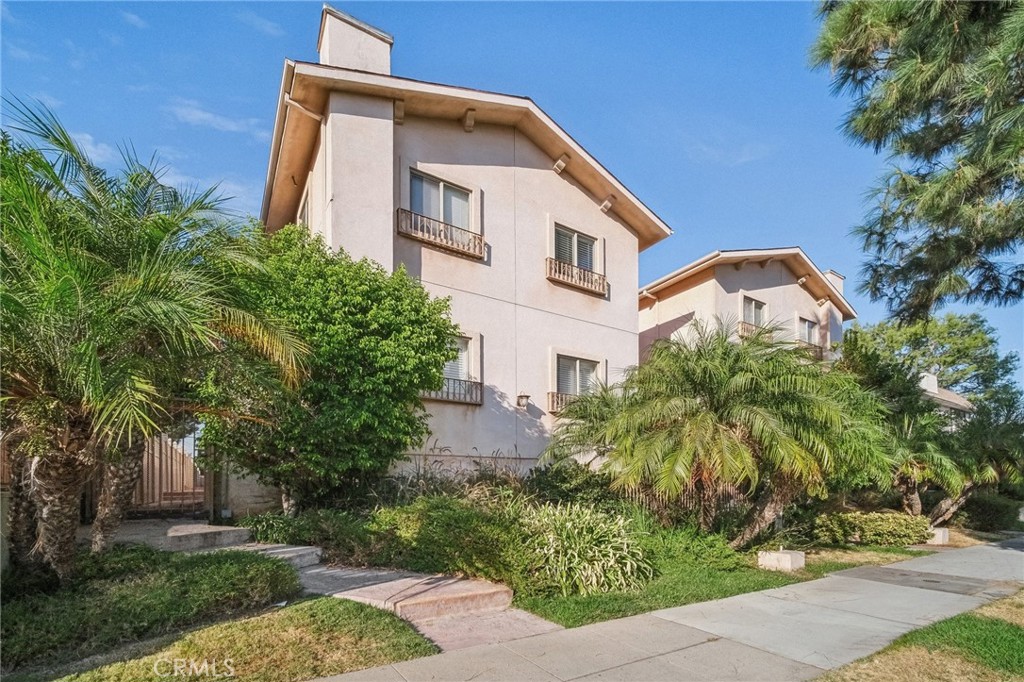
<point x="574" y="248"/>
<point x="437" y="199"/>
<point x="303" y="217"/>
<point x="576" y="376"/>
<point x="808" y="331"/>
<point x="753" y="312"/>
<point x="458" y="368"/>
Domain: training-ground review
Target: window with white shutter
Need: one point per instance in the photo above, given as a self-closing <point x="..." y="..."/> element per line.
<point x="458" y="368"/>
<point x="575" y="248"/>
<point x="575" y="376"/>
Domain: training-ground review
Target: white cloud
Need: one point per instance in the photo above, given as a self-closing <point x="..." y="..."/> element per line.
<point x="239" y="196"/>
<point x="79" y="57"/>
<point x="46" y="99"/>
<point x="265" y="26"/>
<point x="7" y="16"/>
<point x="134" y="20"/>
<point x="98" y="152"/>
<point x="23" y="55"/>
<point x="727" y="153"/>
<point x="192" y="112"/>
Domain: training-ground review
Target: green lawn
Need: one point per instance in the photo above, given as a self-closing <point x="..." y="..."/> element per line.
<point x="308" y="639"/>
<point x="682" y="583"/>
<point x="707" y="573"/>
<point x="992" y="642"/>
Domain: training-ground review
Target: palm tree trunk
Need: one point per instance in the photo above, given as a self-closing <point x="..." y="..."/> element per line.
<point x="910" y="497"/>
<point x="58" y="482"/>
<point x="289" y="505"/>
<point x="22" y="512"/>
<point x="707" y="512"/>
<point x="121" y="474"/>
<point x="949" y="506"/>
<point x="766" y="509"/>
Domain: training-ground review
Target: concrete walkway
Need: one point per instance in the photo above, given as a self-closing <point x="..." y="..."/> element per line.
<point x="790" y="633"/>
<point x="454" y="613"/>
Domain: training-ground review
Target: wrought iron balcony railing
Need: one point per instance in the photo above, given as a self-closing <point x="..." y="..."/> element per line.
<point x="439" y="234"/>
<point x="458" y="391"/>
<point x="816" y="351"/>
<point x="581" y="278"/>
<point x="558" y="401"/>
<point x="748" y="329"/>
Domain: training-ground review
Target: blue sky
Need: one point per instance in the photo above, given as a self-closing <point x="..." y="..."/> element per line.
<point x="707" y="111"/>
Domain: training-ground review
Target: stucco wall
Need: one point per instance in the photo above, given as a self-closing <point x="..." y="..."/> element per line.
<point x="517" y="318"/>
<point x="719" y="291"/>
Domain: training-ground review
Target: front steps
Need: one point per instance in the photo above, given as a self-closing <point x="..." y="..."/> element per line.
<point x="299" y="556"/>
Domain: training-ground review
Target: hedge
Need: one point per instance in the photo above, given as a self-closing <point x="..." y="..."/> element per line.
<point x="872" y="528"/>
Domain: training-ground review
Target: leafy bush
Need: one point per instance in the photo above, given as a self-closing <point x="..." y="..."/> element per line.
<point x="134" y="592"/>
<point x="689" y="545"/>
<point x="341" y="534"/>
<point x="570" y="481"/>
<point x="874" y="528"/>
<point x="575" y="549"/>
<point x="988" y="512"/>
<point x="441" y="534"/>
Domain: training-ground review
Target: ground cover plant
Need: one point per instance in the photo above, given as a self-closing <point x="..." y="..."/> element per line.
<point x="309" y="639"/>
<point x="130" y="593"/>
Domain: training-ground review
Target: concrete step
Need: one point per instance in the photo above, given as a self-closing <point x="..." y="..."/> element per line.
<point x="299" y="556"/>
<point x="412" y="596"/>
<point x="175" y="535"/>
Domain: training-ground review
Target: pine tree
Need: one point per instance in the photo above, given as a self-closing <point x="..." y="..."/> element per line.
<point x="940" y="86"/>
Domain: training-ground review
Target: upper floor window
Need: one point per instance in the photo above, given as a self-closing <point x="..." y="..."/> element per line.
<point x="303" y="216"/>
<point x="439" y="200"/>
<point x="574" y="248"/>
<point x="754" y="312"/>
<point x="808" y="331"/>
<point x="458" y="368"/>
<point x="576" y="376"/>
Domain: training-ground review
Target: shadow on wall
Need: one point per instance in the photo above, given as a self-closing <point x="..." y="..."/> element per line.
<point x="518" y="452"/>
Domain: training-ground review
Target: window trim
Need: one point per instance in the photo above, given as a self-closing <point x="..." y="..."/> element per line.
<point x="765" y="315"/>
<point x="441" y="174"/>
<point x="800" y="320"/>
<point x="598" y="251"/>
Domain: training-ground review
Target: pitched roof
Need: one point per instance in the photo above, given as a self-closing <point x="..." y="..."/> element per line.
<point x="308" y="85"/>
<point x="793" y="257"/>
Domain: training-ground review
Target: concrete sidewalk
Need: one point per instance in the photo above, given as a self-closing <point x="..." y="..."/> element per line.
<point x="791" y="633"/>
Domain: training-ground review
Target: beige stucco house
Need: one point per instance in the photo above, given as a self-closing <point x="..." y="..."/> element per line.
<point x="486" y="200"/>
<point x="957" y="408"/>
<point x="780" y="288"/>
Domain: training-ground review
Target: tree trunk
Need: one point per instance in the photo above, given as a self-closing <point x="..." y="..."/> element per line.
<point x="121" y="474"/>
<point x="707" y="511"/>
<point x="909" y="495"/>
<point x="766" y="509"/>
<point x="22" y="512"/>
<point x="58" y="481"/>
<point x="289" y="505"/>
<point x="949" y="506"/>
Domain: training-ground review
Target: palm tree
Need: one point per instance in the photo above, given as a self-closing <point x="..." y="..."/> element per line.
<point x="708" y="412"/>
<point x="118" y="292"/>
<point x="918" y="460"/>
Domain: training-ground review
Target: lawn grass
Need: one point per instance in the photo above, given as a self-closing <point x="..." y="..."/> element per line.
<point x="308" y="639"/>
<point x="684" y="579"/>
<point x="132" y="593"/>
<point x="679" y="584"/>
<point x="985" y="644"/>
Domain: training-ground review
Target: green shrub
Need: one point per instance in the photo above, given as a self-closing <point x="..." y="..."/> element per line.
<point x="689" y="545"/>
<point x="575" y="549"/>
<point x="571" y="481"/>
<point x="873" y="528"/>
<point x="988" y="512"/>
<point x="441" y="534"/>
<point x="131" y="593"/>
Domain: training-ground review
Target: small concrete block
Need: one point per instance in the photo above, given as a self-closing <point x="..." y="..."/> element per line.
<point x="940" y="536"/>
<point x="787" y="560"/>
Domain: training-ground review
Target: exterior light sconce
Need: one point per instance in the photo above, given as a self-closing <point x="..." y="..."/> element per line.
<point x="522" y="401"/>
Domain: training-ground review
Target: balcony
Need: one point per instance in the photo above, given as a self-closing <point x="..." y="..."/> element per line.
<point x="458" y="391"/>
<point x="580" y="278"/>
<point x="441" y="235"/>
<point x="817" y="352"/>
<point x="558" y="401"/>
<point x="747" y="329"/>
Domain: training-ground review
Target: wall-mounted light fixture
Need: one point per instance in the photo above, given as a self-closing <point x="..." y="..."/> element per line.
<point x="522" y="401"/>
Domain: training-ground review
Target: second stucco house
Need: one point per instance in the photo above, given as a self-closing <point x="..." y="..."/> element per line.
<point x="779" y="288"/>
<point x="486" y="200"/>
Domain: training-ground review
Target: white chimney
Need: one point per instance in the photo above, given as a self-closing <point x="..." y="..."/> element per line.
<point x="349" y="43"/>
<point x="835" y="279"/>
<point x="930" y="383"/>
